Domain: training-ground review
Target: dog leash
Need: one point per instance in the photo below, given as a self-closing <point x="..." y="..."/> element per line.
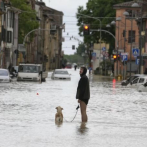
<point x="74" y="116"/>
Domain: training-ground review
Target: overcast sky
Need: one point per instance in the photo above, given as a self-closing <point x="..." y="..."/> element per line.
<point x="69" y="8"/>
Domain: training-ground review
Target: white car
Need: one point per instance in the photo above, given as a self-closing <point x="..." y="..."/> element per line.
<point x="60" y="74"/>
<point x="4" y="76"/>
<point x="130" y="79"/>
<point x="138" y="82"/>
<point x="142" y="88"/>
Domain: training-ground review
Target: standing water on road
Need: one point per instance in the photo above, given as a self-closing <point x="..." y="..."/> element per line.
<point x="117" y="116"/>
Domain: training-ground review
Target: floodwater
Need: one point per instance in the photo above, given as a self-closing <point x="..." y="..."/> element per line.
<point x="117" y="116"/>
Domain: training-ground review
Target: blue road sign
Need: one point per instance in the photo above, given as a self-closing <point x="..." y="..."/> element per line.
<point x="124" y="57"/>
<point x="135" y="52"/>
<point x="103" y="49"/>
<point x="137" y="61"/>
<point x="93" y="54"/>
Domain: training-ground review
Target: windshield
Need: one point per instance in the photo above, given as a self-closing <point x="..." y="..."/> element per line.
<point x="28" y="69"/>
<point x="61" y="72"/>
<point x="3" y="73"/>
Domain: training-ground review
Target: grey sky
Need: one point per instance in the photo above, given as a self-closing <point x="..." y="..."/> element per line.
<point x="69" y="8"/>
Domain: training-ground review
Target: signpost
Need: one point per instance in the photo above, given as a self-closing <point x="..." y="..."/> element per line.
<point x="103" y="49"/>
<point x="137" y="61"/>
<point x="135" y="52"/>
<point x="93" y="55"/>
<point x="124" y="57"/>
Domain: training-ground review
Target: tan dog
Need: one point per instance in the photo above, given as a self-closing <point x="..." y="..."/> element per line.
<point x="59" y="115"/>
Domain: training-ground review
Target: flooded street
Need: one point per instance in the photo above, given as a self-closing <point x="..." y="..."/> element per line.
<point x="117" y="116"/>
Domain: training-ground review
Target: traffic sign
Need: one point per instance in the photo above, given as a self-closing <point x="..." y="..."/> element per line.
<point x="106" y="54"/>
<point x="103" y="53"/>
<point x="93" y="54"/>
<point x="135" y="52"/>
<point x="103" y="49"/>
<point x="124" y="57"/>
<point x="137" y="61"/>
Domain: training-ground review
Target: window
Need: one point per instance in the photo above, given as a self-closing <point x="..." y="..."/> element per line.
<point x="141" y="80"/>
<point x="131" y="36"/>
<point x="135" y="81"/>
<point x="29" y="69"/>
<point x="9" y="36"/>
<point x="61" y="72"/>
<point x="3" y="73"/>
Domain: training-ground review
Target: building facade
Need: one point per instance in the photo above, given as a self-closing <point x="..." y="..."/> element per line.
<point x="9" y="35"/>
<point x="128" y="36"/>
<point x="49" y="37"/>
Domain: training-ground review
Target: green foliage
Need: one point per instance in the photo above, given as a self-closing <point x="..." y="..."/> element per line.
<point x="81" y="49"/>
<point x="27" y="19"/>
<point x="74" y="58"/>
<point x="98" y="8"/>
<point x="106" y="64"/>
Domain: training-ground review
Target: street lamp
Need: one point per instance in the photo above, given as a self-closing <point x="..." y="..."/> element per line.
<point x="125" y="14"/>
<point x="136" y="5"/>
<point x="113" y="22"/>
<point x="108" y="26"/>
<point x="124" y="71"/>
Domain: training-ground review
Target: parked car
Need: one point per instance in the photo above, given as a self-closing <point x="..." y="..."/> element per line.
<point x="138" y="82"/>
<point x="60" y="74"/>
<point x="4" y="76"/>
<point x="142" y="87"/>
<point x="130" y="79"/>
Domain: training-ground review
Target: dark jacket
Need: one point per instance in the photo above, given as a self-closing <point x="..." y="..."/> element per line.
<point x="83" y="90"/>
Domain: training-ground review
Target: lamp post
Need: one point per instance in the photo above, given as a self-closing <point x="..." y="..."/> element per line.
<point x="130" y="37"/>
<point x="124" y="66"/>
<point x="135" y="5"/>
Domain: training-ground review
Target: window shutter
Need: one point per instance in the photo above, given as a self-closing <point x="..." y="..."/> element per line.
<point x="9" y="37"/>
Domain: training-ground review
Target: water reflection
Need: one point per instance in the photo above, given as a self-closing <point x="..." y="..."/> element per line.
<point x="83" y="128"/>
<point x="116" y="115"/>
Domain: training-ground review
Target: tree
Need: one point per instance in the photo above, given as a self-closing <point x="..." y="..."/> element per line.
<point x="74" y="58"/>
<point x="81" y="49"/>
<point x="27" y="18"/>
<point x="98" y="8"/>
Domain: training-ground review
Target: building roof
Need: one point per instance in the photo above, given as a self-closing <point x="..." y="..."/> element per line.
<point x="44" y="7"/>
<point x="126" y="4"/>
<point x="51" y="9"/>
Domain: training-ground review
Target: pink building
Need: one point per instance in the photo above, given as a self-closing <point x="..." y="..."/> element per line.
<point x="128" y="36"/>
